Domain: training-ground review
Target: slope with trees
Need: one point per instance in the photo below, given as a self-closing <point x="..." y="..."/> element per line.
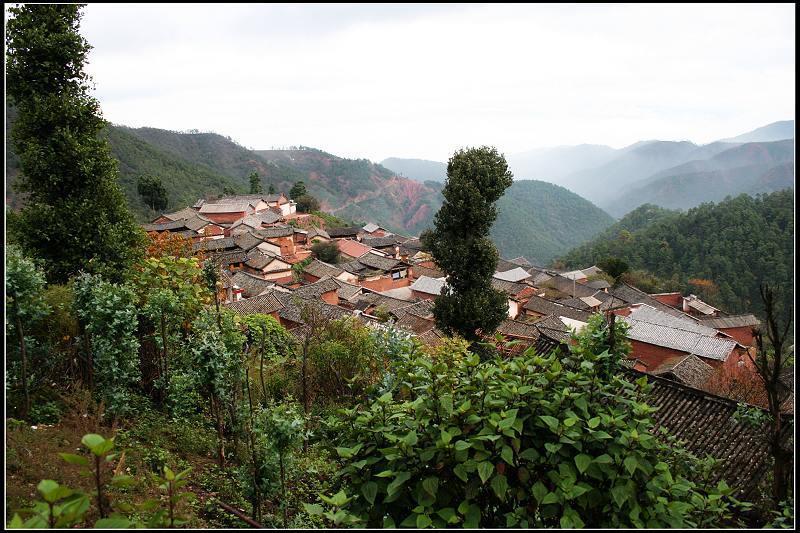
<point x="736" y="245"/>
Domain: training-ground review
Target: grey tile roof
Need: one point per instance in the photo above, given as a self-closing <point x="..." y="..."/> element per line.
<point x="566" y="286"/>
<point x="687" y="369"/>
<point x="428" y="285"/>
<point x="420" y="270"/>
<point x="515" y="328"/>
<point x="416" y="324"/>
<point x="317" y="289"/>
<point x="370" y="227"/>
<point x="651" y="315"/>
<point x="379" y="263"/>
<point x="247" y="241"/>
<point x="422" y="308"/>
<point x="225" y="259"/>
<point x="343" y="232"/>
<point x="165" y="226"/>
<point x="317" y="232"/>
<point x="231" y="207"/>
<point x="504" y="265"/>
<point x="680" y="339"/>
<point x="509" y="287"/>
<point x="598" y="284"/>
<point x="293" y="305"/>
<point x="274" y="233"/>
<point x="264" y="304"/>
<point x="347" y="291"/>
<point x="699" y="305"/>
<point x="707" y="425"/>
<point x="735" y="321"/>
<point x="543" y="306"/>
<point x="632" y="295"/>
<point x="256" y="219"/>
<point x="515" y="275"/>
<point x="380" y="242"/>
<point x="321" y="269"/>
<point x="252" y="285"/>
<point x="259" y="260"/>
<point x="197" y="222"/>
<point x="377" y="300"/>
<point x="226" y="243"/>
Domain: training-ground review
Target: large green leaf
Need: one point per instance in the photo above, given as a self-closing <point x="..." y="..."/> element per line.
<point x="485" y="470"/>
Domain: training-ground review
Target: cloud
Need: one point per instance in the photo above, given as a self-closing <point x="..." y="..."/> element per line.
<point x="421" y="81"/>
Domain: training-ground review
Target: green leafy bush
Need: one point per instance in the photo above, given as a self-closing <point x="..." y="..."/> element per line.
<point x="532" y="441"/>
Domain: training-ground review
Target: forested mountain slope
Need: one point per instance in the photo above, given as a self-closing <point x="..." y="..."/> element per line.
<point x="539" y="220"/>
<point x="737" y="244"/>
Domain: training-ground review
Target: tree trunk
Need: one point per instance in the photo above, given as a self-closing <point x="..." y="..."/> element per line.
<point x="26" y="406"/>
<point x="165" y="375"/>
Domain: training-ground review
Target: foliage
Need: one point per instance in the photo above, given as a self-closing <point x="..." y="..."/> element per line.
<point x="109" y="314"/>
<point x="542" y="221"/>
<point x="24" y="287"/>
<point x="152" y="192"/>
<point x="307" y="204"/>
<point x="460" y="245"/>
<point x="532" y="441"/>
<point x="255" y="183"/>
<point x="614" y="267"/>
<point x="737" y="244"/>
<point x="298" y="190"/>
<point x="268" y="342"/>
<point x="326" y="252"/>
<point x="67" y="170"/>
<point x="784" y="517"/>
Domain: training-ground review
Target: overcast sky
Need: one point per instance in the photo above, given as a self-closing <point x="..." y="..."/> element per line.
<point x="422" y="81"/>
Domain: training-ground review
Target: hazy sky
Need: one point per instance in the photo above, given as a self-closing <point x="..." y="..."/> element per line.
<point x="421" y="81"/>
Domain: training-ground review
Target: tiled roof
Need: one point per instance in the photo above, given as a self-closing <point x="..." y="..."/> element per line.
<point x="679" y="339"/>
<point x="227" y="258"/>
<point x="566" y="286"/>
<point x="165" y="226"/>
<point x="515" y="328"/>
<point x="420" y="270"/>
<point x="370" y="227"/>
<point x="688" y="369"/>
<point x="575" y="274"/>
<point x="514" y="275"/>
<point x="651" y="315"/>
<point x="380" y="242"/>
<point x="255" y="220"/>
<point x="321" y="269"/>
<point x="377" y="300"/>
<point x="428" y="285"/>
<point x="592" y="270"/>
<point x="226" y="243"/>
<point x="247" y="241"/>
<point x="598" y="284"/>
<point x="504" y="265"/>
<point x="274" y="233"/>
<point x="197" y="222"/>
<point x="413" y="244"/>
<point x="544" y="306"/>
<point x="347" y="291"/>
<point x="509" y="287"/>
<point x="317" y="232"/>
<point x="423" y="308"/>
<point x="252" y="285"/>
<point x="265" y="304"/>
<point x="259" y="260"/>
<point x="378" y="262"/>
<point x="343" y="232"/>
<point x="521" y="261"/>
<point x="696" y="303"/>
<point x="707" y="426"/>
<point x="317" y="289"/>
<point x="415" y="323"/>
<point x="736" y="321"/>
<point x="351" y="248"/>
<point x="632" y="295"/>
<point x="293" y="306"/>
<point x="232" y="207"/>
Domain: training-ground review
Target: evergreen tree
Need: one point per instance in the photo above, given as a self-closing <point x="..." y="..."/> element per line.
<point x="460" y="244"/>
<point x="152" y="192"/>
<point x="75" y="215"/>
<point x="271" y="189"/>
<point x="298" y="190"/>
<point x="307" y="203"/>
<point x="255" y="183"/>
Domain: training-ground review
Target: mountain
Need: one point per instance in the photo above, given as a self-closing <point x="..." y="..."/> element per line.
<point x="602" y="185"/>
<point x="750" y="168"/>
<point x="417" y="169"/>
<point x="777" y="131"/>
<point x="540" y="221"/>
<point x="737" y="244"/>
<point x="552" y="164"/>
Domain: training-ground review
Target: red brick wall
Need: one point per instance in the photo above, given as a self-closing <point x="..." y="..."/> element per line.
<point x="422" y="295"/>
<point x="742" y="335"/>
<point x="225" y="218"/>
<point x="310" y="277"/>
<point x="385" y="284"/>
<point x="652" y="355"/>
<point x="675" y="299"/>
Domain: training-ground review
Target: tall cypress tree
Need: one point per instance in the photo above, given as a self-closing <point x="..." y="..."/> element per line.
<point x="75" y="216"/>
<point x="460" y="244"/>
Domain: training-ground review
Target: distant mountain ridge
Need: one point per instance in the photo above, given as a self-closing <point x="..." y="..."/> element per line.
<point x="417" y="169"/>
<point x="777" y="131"/>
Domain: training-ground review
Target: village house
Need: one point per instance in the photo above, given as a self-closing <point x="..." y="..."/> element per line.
<point x="268" y="266"/>
<point x="739" y="327"/>
<point x="379" y="273"/>
<point x="373" y="230"/>
<point x="351" y="249"/>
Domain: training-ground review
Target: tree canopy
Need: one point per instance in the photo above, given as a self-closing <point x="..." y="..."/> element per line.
<point x="152" y="192"/>
<point x="75" y="216"/>
<point x="460" y="244"/>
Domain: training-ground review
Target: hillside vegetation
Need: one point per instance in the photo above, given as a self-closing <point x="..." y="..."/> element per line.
<point x="540" y="220"/>
<point x="736" y="244"/>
